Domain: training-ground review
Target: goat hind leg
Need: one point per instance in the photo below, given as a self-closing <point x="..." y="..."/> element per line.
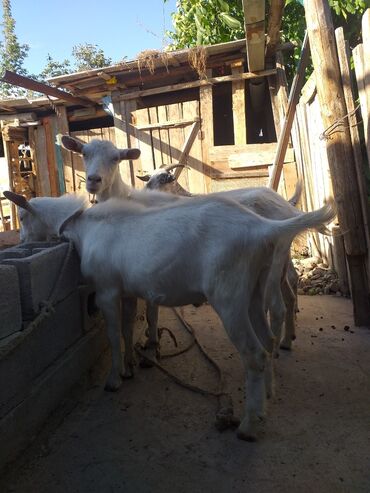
<point x="264" y="333"/>
<point x="240" y="330"/>
<point x="290" y="316"/>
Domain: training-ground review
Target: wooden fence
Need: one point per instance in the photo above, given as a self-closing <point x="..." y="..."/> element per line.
<point x="311" y="138"/>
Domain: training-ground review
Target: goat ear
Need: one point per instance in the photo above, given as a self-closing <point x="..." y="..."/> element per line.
<point x="72" y="144"/>
<point x="144" y="177"/>
<point x="18" y="200"/>
<point x="129" y="153"/>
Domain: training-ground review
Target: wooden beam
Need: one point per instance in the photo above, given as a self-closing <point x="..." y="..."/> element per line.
<point x="340" y="154"/>
<point x="196" y="83"/>
<point x="163" y="125"/>
<point x="274" y="24"/>
<point x="187" y="147"/>
<point x="22" y="117"/>
<point x="288" y="122"/>
<point x="34" y="85"/>
<point x="254" y="22"/>
<point x="247" y="155"/>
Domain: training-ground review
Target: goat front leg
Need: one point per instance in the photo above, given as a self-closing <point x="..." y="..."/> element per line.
<point x="109" y="303"/>
<point x="129" y="310"/>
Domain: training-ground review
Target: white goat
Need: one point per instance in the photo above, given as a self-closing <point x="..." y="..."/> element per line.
<point x="101" y="159"/>
<point x="215" y="250"/>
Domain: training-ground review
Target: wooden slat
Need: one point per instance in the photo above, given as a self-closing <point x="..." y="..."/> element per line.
<point x="156" y="138"/>
<point x="195" y="165"/>
<point x="358" y="58"/>
<point x="177" y="139"/>
<point x="50" y="156"/>
<point x="144" y="141"/>
<point x="238" y="105"/>
<point x="288" y="122"/>
<point x="254" y="21"/>
<point x="366" y="74"/>
<point x="122" y="123"/>
<point x="164" y="135"/>
<point x="42" y="164"/>
<point x="344" y="63"/>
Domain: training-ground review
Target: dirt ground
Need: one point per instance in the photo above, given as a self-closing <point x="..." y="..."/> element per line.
<point x="153" y="436"/>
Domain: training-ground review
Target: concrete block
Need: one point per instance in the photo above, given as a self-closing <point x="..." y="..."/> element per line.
<point x="89" y="310"/>
<point x="13" y="253"/>
<point x="22" y="423"/>
<point x="39" y="273"/>
<point x="10" y="301"/>
<point x="24" y="357"/>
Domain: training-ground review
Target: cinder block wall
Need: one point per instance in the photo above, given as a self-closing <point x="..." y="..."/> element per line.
<point x="42" y="356"/>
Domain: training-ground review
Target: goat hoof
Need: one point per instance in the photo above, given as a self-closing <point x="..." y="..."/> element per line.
<point x="225" y="419"/>
<point x="248" y="428"/>
<point x="129" y="374"/>
<point x="146" y="363"/>
<point x="286" y="344"/>
<point x="247" y="437"/>
<point x="113" y="384"/>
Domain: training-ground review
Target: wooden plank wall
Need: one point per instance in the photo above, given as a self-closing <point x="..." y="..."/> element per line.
<point x="161" y="144"/>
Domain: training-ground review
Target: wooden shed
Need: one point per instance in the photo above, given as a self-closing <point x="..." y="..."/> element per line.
<point x="199" y="106"/>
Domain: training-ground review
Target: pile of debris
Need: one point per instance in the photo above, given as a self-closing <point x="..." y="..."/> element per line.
<point x="316" y="277"/>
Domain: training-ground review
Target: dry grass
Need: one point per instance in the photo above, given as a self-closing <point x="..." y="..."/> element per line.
<point x="197" y="57"/>
<point x="147" y="59"/>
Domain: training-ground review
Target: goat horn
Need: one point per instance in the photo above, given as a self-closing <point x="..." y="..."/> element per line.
<point x="173" y="166"/>
<point x="143" y="177"/>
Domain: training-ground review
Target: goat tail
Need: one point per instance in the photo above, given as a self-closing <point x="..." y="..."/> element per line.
<point x="297" y="193"/>
<point x="309" y="220"/>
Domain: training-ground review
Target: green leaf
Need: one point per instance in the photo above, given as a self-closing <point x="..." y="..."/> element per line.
<point x="230" y="21"/>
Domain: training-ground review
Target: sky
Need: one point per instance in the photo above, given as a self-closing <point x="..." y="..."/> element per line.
<point x="121" y="28"/>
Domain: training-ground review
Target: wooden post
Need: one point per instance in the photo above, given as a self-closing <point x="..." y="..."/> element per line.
<point x="254" y="24"/>
<point x="238" y="98"/>
<point x="206" y="114"/>
<point x="62" y="128"/>
<point x="340" y="154"/>
<point x="122" y="121"/>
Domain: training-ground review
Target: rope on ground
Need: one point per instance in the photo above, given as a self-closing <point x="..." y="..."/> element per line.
<point x="224" y="416"/>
